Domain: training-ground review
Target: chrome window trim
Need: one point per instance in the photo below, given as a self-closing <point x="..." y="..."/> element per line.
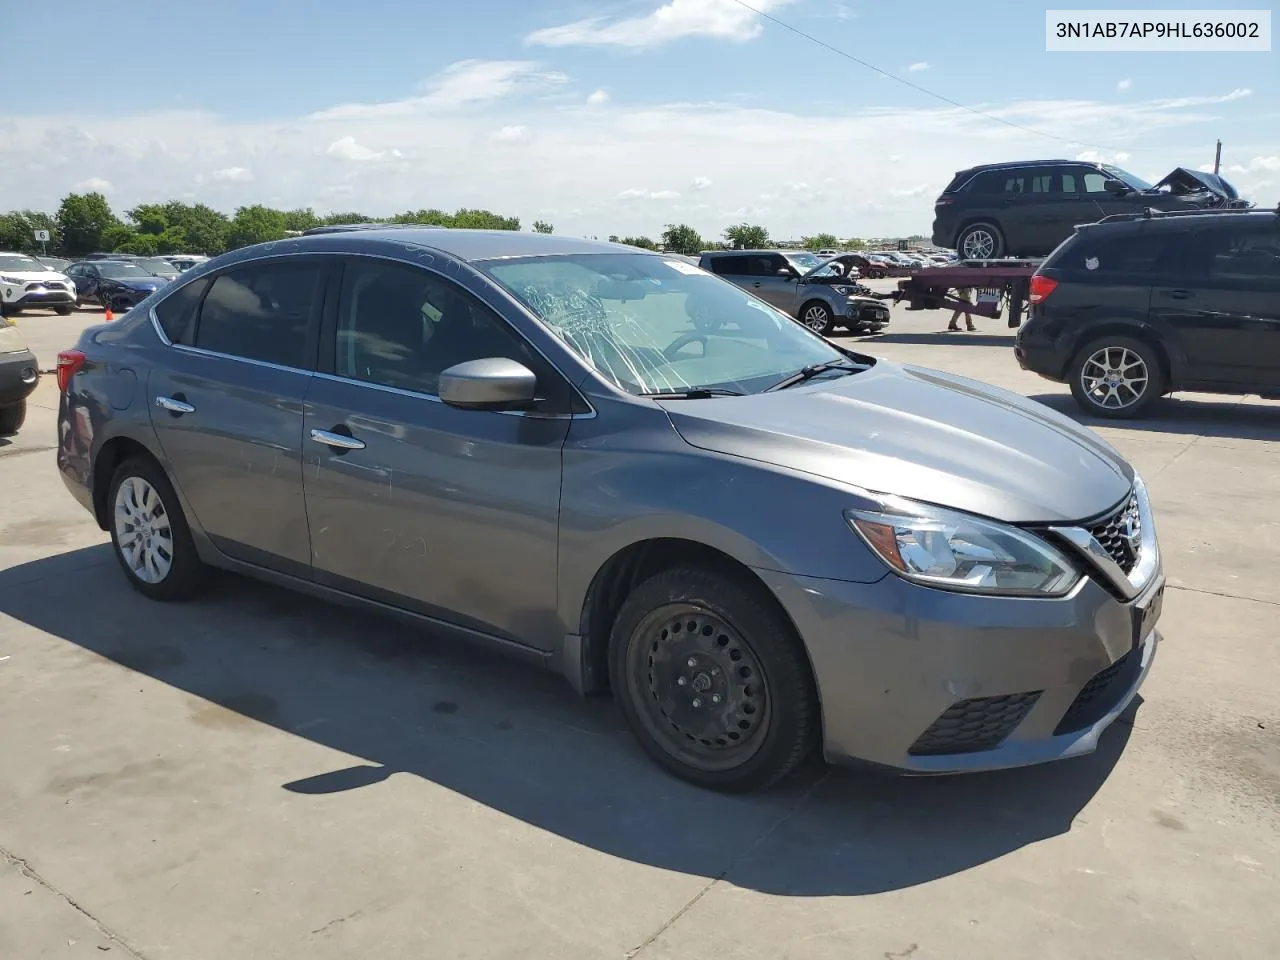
<point x="1131" y="584"/>
<point x="159" y="330"/>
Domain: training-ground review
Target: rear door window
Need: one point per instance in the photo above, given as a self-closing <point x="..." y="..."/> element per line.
<point x="263" y="311"/>
<point x="731" y="266"/>
<point x="1246" y="256"/>
<point x="177" y="312"/>
<point x="1128" y="255"/>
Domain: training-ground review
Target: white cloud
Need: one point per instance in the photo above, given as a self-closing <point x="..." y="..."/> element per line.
<point x="346" y="148"/>
<point x="1255" y="165"/>
<point x="634" y="194"/>
<point x="1124" y="84"/>
<point x="597" y="98"/>
<point x="462" y="84"/>
<point x="674" y="20"/>
<point x="92" y="185"/>
<point x="513" y="133"/>
<point x="617" y="170"/>
<point x="233" y="175"/>
<point x="1098" y="156"/>
<point x="918" y="66"/>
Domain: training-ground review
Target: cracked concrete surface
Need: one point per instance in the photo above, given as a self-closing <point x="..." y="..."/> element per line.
<point x="258" y="776"/>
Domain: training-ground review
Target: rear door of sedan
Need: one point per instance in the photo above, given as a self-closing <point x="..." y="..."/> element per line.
<point x="226" y="403"/>
<point x="446" y="512"/>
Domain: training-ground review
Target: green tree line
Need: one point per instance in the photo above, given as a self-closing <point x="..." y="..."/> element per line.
<point x="85" y="223"/>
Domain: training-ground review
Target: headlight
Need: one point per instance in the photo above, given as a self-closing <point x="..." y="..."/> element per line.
<point x="842" y="290"/>
<point x="955" y="551"/>
<point x="10" y="280"/>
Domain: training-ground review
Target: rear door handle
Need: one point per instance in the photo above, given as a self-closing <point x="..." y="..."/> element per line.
<point x="174" y="405"/>
<point x="338" y="441"/>
<point x="1181" y="294"/>
<point x="756" y="284"/>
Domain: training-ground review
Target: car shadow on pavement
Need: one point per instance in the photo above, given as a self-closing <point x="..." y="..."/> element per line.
<point x="942" y="337"/>
<point x="412" y="701"/>
<point x="1186" y="417"/>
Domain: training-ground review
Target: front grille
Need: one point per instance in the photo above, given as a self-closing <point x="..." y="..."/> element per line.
<point x="50" y="285"/>
<point x="974" y="725"/>
<point x="1119" y="534"/>
<point x="1101" y="694"/>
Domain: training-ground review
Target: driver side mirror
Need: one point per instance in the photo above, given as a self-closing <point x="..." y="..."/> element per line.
<point x="1115" y="187"/>
<point x="786" y="272"/>
<point x="494" y="383"/>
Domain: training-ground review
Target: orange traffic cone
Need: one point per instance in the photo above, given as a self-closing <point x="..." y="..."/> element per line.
<point x="109" y="316"/>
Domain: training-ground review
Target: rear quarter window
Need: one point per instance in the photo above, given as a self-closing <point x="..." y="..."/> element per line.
<point x="1133" y="255"/>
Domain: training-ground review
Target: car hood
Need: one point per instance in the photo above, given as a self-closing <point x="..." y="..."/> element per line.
<point x="35" y="276"/>
<point x="923" y="434"/>
<point x="1182" y="180"/>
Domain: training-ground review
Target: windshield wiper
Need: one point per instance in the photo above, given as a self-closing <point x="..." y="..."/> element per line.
<point x="813" y="370"/>
<point x="694" y="393"/>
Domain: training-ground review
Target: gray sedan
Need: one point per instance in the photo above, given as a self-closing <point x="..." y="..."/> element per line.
<point x="761" y="543"/>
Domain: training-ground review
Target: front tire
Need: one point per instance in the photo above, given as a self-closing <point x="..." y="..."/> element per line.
<point x="980" y="241"/>
<point x="150" y="534"/>
<point x="712" y="680"/>
<point x="12" y="418"/>
<point x="63" y="311"/>
<point x="1116" y="377"/>
<point x="817" y="316"/>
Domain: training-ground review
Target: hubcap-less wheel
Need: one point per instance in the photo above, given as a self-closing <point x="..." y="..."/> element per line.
<point x="815" y="318"/>
<point x="979" y="244"/>
<point x="1114" y="378"/>
<point x="142" y="530"/>
<point x="699" y="687"/>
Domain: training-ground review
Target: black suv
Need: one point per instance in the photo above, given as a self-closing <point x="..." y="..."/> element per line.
<point x="1026" y="209"/>
<point x="1138" y="306"/>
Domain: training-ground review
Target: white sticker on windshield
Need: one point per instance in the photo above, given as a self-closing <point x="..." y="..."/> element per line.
<point x="685" y="268"/>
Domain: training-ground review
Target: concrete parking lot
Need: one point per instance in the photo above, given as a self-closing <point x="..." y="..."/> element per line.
<point x="256" y="775"/>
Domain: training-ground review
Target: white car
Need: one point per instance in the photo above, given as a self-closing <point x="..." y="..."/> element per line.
<point x="185" y="261"/>
<point x="25" y="282"/>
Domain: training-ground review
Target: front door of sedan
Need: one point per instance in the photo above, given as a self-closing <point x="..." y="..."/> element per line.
<point x="226" y="404"/>
<point x="446" y="512"/>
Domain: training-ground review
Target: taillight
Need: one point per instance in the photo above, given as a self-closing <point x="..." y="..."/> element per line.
<point x="69" y="364"/>
<point x="944" y="201"/>
<point x="1041" y="287"/>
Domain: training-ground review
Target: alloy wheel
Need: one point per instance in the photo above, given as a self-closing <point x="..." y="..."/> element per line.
<point x="1114" y="377"/>
<point x="143" y="533"/>
<point x="699" y="687"/>
<point x="815" y="318"/>
<point x="979" y="244"/>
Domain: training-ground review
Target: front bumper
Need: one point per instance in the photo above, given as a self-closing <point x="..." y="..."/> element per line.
<point x="123" y="297"/>
<point x="862" y="314"/>
<point x="926" y="681"/>
<point x="36" y="295"/>
<point x="19" y="374"/>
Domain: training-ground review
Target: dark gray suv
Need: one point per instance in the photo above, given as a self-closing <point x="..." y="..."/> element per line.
<point x="760" y="542"/>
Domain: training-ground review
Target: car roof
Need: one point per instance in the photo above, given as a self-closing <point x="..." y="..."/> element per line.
<point x="1190" y="219"/>
<point x="746" y="253"/>
<point x="467" y="245"/>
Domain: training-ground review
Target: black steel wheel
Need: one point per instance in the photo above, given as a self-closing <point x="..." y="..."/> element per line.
<point x="712" y="680"/>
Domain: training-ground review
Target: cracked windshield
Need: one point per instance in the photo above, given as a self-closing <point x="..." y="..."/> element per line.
<point x="656" y="325"/>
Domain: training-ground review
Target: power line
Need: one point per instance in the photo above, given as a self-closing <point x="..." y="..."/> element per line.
<point x="915" y="86"/>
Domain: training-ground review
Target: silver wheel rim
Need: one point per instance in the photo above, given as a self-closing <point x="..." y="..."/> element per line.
<point x="143" y="535"/>
<point x="815" y="318"/>
<point x="1114" y="378"/>
<point x="979" y="245"/>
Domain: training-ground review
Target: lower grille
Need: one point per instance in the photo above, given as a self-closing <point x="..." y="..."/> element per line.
<point x="1101" y="694"/>
<point x="974" y="725"/>
<point x="1119" y="534"/>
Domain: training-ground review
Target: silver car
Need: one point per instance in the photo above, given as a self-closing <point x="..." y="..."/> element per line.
<point x="761" y="543"/>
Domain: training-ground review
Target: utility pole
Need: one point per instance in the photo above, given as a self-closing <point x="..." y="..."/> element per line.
<point x="1217" y="159"/>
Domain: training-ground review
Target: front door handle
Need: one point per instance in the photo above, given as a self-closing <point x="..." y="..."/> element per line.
<point x="338" y="441"/>
<point x="1181" y="294"/>
<point x="174" y="405"/>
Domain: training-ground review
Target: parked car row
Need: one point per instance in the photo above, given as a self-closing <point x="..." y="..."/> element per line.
<point x="117" y="281"/>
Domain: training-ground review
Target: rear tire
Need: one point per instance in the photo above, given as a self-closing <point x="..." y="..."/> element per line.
<point x="817" y="316"/>
<point x="980" y="241"/>
<point x="150" y="535"/>
<point x="12" y="418"/>
<point x="1117" y="377"/>
<point x="729" y="704"/>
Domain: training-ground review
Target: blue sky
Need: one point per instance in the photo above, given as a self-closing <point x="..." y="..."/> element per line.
<point x="604" y="117"/>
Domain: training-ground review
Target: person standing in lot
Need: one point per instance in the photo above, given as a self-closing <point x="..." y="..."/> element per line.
<point x="964" y="294"/>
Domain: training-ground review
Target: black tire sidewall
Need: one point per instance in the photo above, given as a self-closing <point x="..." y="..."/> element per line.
<point x="187" y="573"/>
<point x="12" y="416"/>
<point x="1155" y="378"/>
<point x="793" y="708"/>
